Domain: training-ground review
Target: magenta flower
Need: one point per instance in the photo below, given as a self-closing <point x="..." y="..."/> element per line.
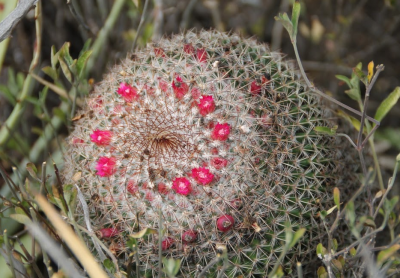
<point x="202" y="175"/>
<point x="108" y="232"/>
<point x="255" y="88"/>
<point x="189" y="236"/>
<point x="218" y="162"/>
<point x="182" y="186"/>
<point x="128" y="92"/>
<point x="201" y="55"/>
<point x="167" y="243"/>
<point x="106" y="166"/>
<point x="101" y="137"/>
<point x="180" y="88"/>
<point x="225" y="223"/>
<point x="188" y="48"/>
<point x="221" y="132"/>
<point x="206" y="105"/>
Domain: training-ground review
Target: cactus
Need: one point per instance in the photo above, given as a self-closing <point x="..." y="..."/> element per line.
<point x="217" y="133"/>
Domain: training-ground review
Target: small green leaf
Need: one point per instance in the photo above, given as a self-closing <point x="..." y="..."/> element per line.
<point x="297" y="236"/>
<point x="144" y="232"/>
<point x="21" y="218"/>
<point x="295" y="18"/>
<point x="54" y="57"/>
<point x="31" y="168"/>
<point x="85" y="47"/>
<point x="369" y="222"/>
<point x="108" y="264"/>
<point x="354" y="94"/>
<point x="336" y="197"/>
<point x="321" y="251"/>
<point x="171" y="266"/>
<point x="284" y="19"/>
<point x="334" y="244"/>
<point x="59" y="113"/>
<point x="66" y="71"/>
<point x="330" y="210"/>
<point x="64" y="53"/>
<point x="356" y="123"/>
<point x="350" y="214"/>
<point x="321" y="272"/>
<point x="361" y="75"/>
<point x="384" y="255"/>
<point x="387" y="104"/>
<point x="80" y="65"/>
<point x="50" y="72"/>
<point x="344" y="79"/>
<point x="326" y="130"/>
<point x="337" y="264"/>
<point x="353" y="251"/>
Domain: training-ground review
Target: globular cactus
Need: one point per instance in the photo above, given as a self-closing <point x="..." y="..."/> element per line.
<point x="217" y="133"/>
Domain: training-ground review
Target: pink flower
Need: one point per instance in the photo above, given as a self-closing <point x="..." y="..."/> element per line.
<point x="195" y="93"/>
<point x="189" y="236"/>
<point x="218" y="162"/>
<point x="108" y="232"/>
<point x="101" y="137"/>
<point x="159" y="52"/>
<point x="132" y="187"/>
<point x="225" y="223"/>
<point x="255" y="88"/>
<point x="188" y="48"/>
<point x="221" y="132"/>
<point x="201" y="55"/>
<point x="180" y="88"/>
<point x="202" y="175"/>
<point x="167" y="243"/>
<point x="206" y="105"/>
<point x="163" y="86"/>
<point x="106" y="166"/>
<point x="77" y="141"/>
<point x="162" y="188"/>
<point x="182" y="186"/>
<point x="128" y="92"/>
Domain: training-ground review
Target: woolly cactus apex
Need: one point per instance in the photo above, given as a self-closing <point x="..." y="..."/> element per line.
<point x="217" y="133"/>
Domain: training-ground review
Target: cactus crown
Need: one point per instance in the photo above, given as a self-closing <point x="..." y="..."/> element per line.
<point x="217" y="133"/>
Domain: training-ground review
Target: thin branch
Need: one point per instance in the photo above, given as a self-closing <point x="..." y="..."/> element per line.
<point x="8" y="24"/>
<point x="78" y="17"/>
<point x="367" y="92"/>
<point x="142" y="18"/>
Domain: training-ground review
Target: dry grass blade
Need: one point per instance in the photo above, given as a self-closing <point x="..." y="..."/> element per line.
<point x="53" y="249"/>
<point x="68" y="235"/>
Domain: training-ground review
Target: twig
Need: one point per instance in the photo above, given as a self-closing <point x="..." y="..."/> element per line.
<point x="27" y="88"/>
<point x="317" y="91"/>
<point x="142" y="18"/>
<point x="99" y="43"/>
<point x="78" y="17"/>
<point x="158" y="20"/>
<point x="8" y="24"/>
<point x="9" y="253"/>
<point x="31" y="260"/>
<point x="367" y="92"/>
<point x="186" y="14"/>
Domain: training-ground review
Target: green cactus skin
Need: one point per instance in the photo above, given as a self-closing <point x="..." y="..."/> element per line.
<point x="201" y="126"/>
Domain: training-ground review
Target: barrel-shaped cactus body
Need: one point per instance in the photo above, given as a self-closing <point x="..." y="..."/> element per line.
<point x="216" y="135"/>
